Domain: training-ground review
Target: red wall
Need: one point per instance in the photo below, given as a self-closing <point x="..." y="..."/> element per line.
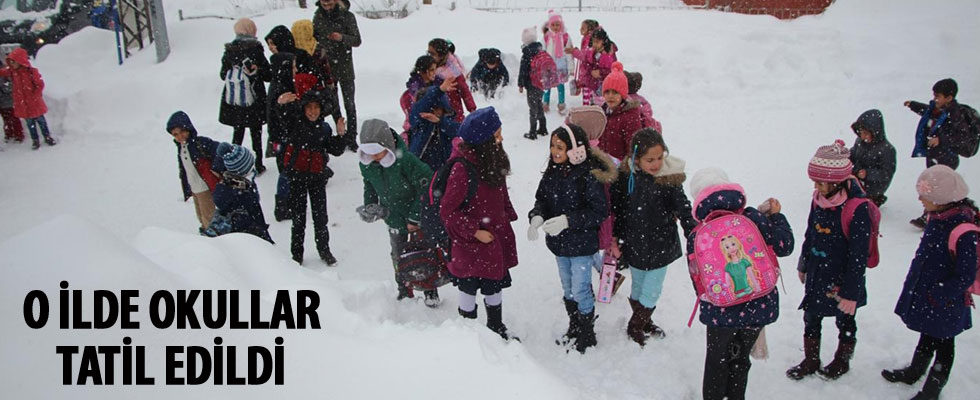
<point x="782" y="9"/>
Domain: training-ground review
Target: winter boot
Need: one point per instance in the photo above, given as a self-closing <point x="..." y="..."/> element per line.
<point x="282" y="209"/>
<point x="259" y="168"/>
<point x="542" y="130"/>
<point x="328" y="258"/>
<point x="811" y="360"/>
<point x="404" y="292"/>
<point x="639" y="319"/>
<point x="571" y="308"/>
<point x="912" y="373"/>
<point x="841" y="362"/>
<point x="620" y="278"/>
<point x="586" y="334"/>
<point x="432" y="298"/>
<point x="495" y="316"/>
<point x="37" y="145"/>
<point x="919" y="222"/>
<point x="467" y="314"/>
<point x="938" y="376"/>
<point x="49" y="141"/>
<point x="651" y="329"/>
<point x="531" y="135"/>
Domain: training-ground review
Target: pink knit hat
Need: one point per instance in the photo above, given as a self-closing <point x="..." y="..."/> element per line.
<point x="555" y="16"/>
<point x="831" y="163"/>
<point x="941" y="185"/>
<point x="616" y="80"/>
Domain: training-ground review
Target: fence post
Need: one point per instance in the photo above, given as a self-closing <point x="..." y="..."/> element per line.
<point x="579" y="5"/>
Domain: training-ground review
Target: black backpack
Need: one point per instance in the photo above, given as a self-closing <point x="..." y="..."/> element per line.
<point x="434" y="231"/>
<point x="969" y="141"/>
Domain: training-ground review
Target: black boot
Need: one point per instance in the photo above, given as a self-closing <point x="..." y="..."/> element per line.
<point x="495" y="321"/>
<point x="404" y="292"/>
<point x="571" y="308"/>
<point x="259" y="168"/>
<point x="919" y="222"/>
<point x="913" y="372"/>
<point x="37" y="145"/>
<point x="651" y="329"/>
<point x="432" y="298"/>
<point x="638" y="321"/>
<point x="542" y="130"/>
<point x="841" y="362"/>
<point x="531" y="135"/>
<point x="49" y="140"/>
<point x="811" y="360"/>
<point x="586" y="334"/>
<point x="938" y="376"/>
<point x="282" y="209"/>
<point x="467" y="314"/>
<point x="328" y="258"/>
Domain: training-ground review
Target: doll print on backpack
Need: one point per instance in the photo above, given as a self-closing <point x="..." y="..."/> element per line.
<point x="731" y="263"/>
<point x="739" y="267"/>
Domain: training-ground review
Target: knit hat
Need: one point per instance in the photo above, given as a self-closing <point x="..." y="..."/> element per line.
<point x="238" y="160"/>
<point x="706" y="178"/>
<point x="555" y="16"/>
<point x="377" y="131"/>
<point x="616" y="80"/>
<point x="245" y="26"/>
<point x="831" y="163"/>
<point x="941" y="185"/>
<point x="590" y="118"/>
<point x="530" y="35"/>
<point x="479" y="126"/>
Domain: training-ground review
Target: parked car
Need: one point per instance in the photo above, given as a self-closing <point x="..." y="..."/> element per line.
<point x="34" y="23"/>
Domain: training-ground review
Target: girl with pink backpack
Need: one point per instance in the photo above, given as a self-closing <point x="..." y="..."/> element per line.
<point x="732" y="330"/>
<point x="934" y="299"/>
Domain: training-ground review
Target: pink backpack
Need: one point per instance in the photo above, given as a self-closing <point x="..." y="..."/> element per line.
<point x="731" y="263"/>
<point x="544" y="72"/>
<point x="954" y="236"/>
<point x="847" y="215"/>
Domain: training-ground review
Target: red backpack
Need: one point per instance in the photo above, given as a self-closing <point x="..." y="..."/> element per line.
<point x="847" y="215"/>
<point x="954" y="236"/>
<point x="544" y="72"/>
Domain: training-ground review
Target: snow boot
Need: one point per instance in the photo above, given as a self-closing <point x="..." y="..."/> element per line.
<point x="542" y="130"/>
<point x="639" y="320"/>
<point x="651" y="329"/>
<point x="467" y="314"/>
<point x="811" y="360"/>
<point x="586" y="333"/>
<point x="531" y="135"/>
<point x="49" y="141"/>
<point x="571" y="308"/>
<point x="495" y="316"/>
<point x="432" y="298"/>
<point x="912" y="373"/>
<point x="37" y="145"/>
<point x="282" y="209"/>
<point x="938" y="376"/>
<point x="328" y="258"/>
<point x="919" y="222"/>
<point x="404" y="292"/>
<point x="841" y="362"/>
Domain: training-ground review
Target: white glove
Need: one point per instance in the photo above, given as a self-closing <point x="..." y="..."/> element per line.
<point x="532" y="231"/>
<point x="554" y="226"/>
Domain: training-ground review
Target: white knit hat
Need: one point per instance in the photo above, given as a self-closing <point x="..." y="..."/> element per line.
<point x="706" y="178"/>
<point x="530" y="35"/>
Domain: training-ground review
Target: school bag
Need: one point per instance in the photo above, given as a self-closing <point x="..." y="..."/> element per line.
<point x="717" y="276"/>
<point x="544" y="72"/>
<point x="847" y="215"/>
<point x="954" y="236"/>
<point x="238" y="87"/>
<point x="422" y="266"/>
<point x="430" y="223"/>
<point x="969" y="141"/>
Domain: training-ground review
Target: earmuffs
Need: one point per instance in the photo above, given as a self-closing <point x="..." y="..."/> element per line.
<point x="576" y="154"/>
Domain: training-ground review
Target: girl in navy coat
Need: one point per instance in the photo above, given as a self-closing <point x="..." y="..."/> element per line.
<point x="934" y="301"/>
<point x="733" y="330"/>
<point x="570" y="205"/>
<point x="236" y="196"/>
<point x="832" y="264"/>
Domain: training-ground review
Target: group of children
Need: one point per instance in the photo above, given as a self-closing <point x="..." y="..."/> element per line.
<point x="21" y="89"/>
<point x="612" y="187"/>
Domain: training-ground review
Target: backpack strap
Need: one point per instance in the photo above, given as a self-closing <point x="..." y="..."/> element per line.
<point x="847" y="214"/>
<point x="959" y="231"/>
<point x="443" y="176"/>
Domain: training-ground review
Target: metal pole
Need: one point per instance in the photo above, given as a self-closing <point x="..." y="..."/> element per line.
<point x="159" y="25"/>
<point x="115" y="22"/>
<point x="579" y="5"/>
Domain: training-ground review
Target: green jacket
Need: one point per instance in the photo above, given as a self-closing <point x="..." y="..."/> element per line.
<point x="399" y="187"/>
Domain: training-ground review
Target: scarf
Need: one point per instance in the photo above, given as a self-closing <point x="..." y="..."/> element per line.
<point x="835" y="201"/>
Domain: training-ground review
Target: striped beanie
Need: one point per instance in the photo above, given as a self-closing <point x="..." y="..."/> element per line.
<point x="831" y="163"/>
<point x="238" y="160"/>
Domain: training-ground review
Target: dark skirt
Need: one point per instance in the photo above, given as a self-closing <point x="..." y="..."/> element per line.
<point x="486" y="286"/>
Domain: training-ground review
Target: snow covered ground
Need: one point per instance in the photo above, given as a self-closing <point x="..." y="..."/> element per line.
<point x="751" y="94"/>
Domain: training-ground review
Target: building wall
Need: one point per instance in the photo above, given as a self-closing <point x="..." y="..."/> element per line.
<point x="782" y="9"/>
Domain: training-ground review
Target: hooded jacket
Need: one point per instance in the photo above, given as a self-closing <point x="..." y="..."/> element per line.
<point x="399" y="187"/>
<point x="527" y="55"/>
<point x="483" y="75"/>
<point x="202" y="151"/>
<point x="877" y="158"/>
<point x="622" y="123"/>
<point x="775" y="230"/>
<point x="235" y="54"/>
<point x="27" y="86"/>
<point x="237" y="198"/>
<point x="432" y="142"/>
<point x="309" y="144"/>
<point x="646" y="216"/>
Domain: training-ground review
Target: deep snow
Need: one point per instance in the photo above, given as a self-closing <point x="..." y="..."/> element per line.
<point x="751" y="94"/>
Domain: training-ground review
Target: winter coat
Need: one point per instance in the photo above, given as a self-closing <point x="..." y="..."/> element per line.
<point x="646" y="217"/>
<point x="876" y="158"/>
<point x="412" y="87"/>
<point x="339" y="54"/>
<point x="622" y="123"/>
<point x="309" y="143"/>
<point x="576" y="192"/>
<point x="934" y="299"/>
<point x="305" y="63"/>
<point x="490" y="210"/>
<point x="237" y="197"/>
<point x="27" y="86"/>
<point x="201" y="150"/>
<point x="398" y="188"/>
<point x="235" y="54"/>
<point x="646" y="113"/>
<point x="775" y="230"/>
<point x="6" y="93"/>
<point x="432" y="142"/>
<point x="555" y="44"/>
<point x="527" y="55"/>
<point x="589" y="60"/>
<point x="282" y="82"/>
<point x="835" y="264"/>
<point x="949" y="124"/>
<point x="481" y="75"/>
<point x="460" y="96"/>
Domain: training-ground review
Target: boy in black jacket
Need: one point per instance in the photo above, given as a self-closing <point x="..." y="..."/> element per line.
<point x="873" y="155"/>
<point x="489" y="73"/>
<point x="309" y="142"/>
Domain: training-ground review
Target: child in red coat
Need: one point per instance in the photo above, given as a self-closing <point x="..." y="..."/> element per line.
<point x="28" y="103"/>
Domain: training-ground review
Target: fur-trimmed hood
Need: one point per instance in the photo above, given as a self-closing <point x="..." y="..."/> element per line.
<point x="671" y="173"/>
<point x="606" y="170"/>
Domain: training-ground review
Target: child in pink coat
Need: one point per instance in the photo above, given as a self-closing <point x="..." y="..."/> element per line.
<point x="597" y="60"/>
